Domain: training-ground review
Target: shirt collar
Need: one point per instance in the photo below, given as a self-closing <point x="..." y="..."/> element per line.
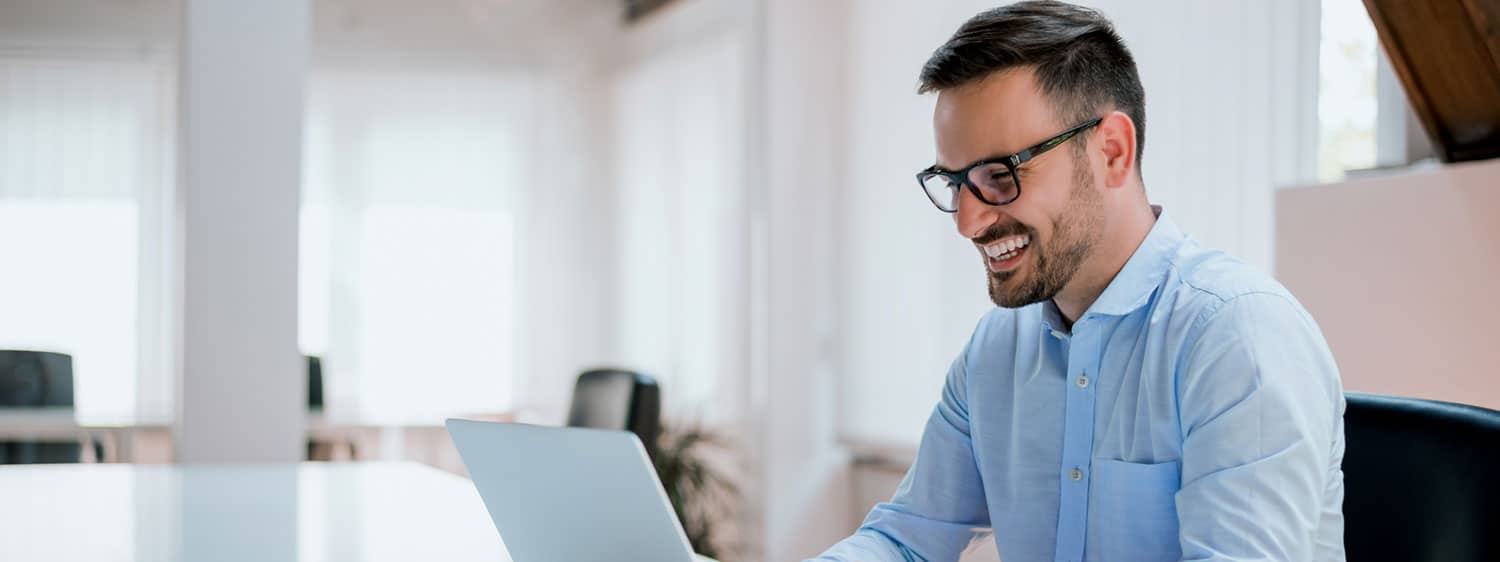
<point x="1144" y="271"/>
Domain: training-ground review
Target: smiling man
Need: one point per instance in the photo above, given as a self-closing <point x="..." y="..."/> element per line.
<point x="1133" y="397"/>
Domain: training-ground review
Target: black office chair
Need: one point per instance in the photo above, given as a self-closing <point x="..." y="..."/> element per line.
<point x="314" y="383"/>
<point x="38" y="379"/>
<point x="618" y="399"/>
<point x="1420" y="480"/>
<point x="320" y="450"/>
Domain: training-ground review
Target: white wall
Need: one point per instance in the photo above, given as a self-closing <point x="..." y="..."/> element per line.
<point x="796" y="210"/>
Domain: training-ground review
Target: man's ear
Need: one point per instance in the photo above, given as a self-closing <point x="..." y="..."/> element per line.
<point x="1116" y="139"/>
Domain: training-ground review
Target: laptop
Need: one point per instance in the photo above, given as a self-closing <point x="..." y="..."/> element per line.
<point x="570" y="494"/>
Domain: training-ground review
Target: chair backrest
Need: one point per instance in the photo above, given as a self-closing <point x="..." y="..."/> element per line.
<point x="618" y="399"/>
<point x="314" y="382"/>
<point x="1420" y="480"/>
<point x="35" y="379"/>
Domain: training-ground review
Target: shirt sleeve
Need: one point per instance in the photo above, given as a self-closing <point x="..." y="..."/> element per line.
<point x="940" y="506"/>
<point x="1261" y="410"/>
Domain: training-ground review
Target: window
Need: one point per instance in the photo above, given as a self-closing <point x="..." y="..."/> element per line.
<point x="407" y="244"/>
<point x="1347" y="100"/>
<point x="85" y="160"/>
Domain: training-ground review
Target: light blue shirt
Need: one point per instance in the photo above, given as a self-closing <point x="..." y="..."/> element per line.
<point x="1194" y="412"/>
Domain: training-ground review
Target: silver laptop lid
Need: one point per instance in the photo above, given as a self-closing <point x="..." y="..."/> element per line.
<point x="570" y="494"/>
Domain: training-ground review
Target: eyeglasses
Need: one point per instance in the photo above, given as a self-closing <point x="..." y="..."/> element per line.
<point x="993" y="181"/>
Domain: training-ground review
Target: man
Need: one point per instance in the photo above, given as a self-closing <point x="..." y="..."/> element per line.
<point x="1134" y="397"/>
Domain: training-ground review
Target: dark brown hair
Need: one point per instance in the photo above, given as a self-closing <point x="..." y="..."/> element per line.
<point x="1081" y="64"/>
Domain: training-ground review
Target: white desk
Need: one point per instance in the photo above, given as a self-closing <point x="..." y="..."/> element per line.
<point x="122" y="438"/>
<point x="309" y="512"/>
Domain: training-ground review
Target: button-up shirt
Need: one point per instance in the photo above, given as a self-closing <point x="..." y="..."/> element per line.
<point x="1193" y="412"/>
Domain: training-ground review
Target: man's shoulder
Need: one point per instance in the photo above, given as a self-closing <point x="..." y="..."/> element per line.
<point x="1203" y="282"/>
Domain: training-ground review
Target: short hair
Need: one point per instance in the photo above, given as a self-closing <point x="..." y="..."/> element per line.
<point x="1081" y="64"/>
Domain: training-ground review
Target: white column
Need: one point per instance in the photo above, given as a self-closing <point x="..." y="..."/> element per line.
<point x="241" y="395"/>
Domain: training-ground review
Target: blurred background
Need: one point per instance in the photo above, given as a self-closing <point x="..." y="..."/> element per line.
<point x="389" y="212"/>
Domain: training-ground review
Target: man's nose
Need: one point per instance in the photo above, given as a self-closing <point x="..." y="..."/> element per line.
<point x="973" y="216"/>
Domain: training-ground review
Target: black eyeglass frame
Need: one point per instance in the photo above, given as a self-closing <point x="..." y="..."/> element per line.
<point x="1012" y="162"/>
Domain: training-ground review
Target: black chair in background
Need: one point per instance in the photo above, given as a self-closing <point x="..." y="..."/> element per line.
<point x="1420" y="480"/>
<point x="316" y="451"/>
<point x="618" y="399"/>
<point x="38" y="379"/>
<point x="319" y="450"/>
<point x="314" y="383"/>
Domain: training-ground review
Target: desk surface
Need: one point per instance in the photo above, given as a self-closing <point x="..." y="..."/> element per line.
<point x="20" y="420"/>
<point x="310" y="512"/>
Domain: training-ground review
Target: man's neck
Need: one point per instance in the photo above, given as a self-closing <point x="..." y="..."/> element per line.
<point x="1104" y="264"/>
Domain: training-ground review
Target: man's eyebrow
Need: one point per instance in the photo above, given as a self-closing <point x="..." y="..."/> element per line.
<point x="991" y="158"/>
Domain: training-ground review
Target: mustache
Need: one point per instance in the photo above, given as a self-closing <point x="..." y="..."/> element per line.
<point x="1003" y="231"/>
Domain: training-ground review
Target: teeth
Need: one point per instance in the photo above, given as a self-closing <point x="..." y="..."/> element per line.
<point x="1005" y="248"/>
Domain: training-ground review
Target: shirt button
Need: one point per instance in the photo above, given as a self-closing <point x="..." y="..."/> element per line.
<point x="1083" y="381"/>
<point x="1075" y="475"/>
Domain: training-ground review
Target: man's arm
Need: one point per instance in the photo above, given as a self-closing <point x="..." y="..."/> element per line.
<point x="1261" y="409"/>
<point x="940" y="504"/>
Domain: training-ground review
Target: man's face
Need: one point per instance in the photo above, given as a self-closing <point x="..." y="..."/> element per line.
<point x="1032" y="247"/>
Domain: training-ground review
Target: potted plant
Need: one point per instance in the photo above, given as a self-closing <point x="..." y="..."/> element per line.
<point x="690" y="460"/>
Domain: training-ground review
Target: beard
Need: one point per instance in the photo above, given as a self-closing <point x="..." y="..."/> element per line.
<point x="1075" y="233"/>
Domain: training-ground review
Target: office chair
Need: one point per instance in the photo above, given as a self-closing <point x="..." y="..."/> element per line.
<point x="38" y="379"/>
<point x="618" y="399"/>
<point x="319" y="450"/>
<point x="1420" y="480"/>
<point x="314" y="383"/>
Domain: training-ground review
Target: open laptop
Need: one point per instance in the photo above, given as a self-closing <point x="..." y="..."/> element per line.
<point x="570" y="494"/>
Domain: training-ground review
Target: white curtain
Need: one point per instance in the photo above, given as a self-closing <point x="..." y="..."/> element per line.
<point x="681" y="245"/>
<point x="407" y="265"/>
<point x="85" y="183"/>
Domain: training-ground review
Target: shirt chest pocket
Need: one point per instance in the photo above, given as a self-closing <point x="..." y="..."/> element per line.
<point x="1133" y="511"/>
